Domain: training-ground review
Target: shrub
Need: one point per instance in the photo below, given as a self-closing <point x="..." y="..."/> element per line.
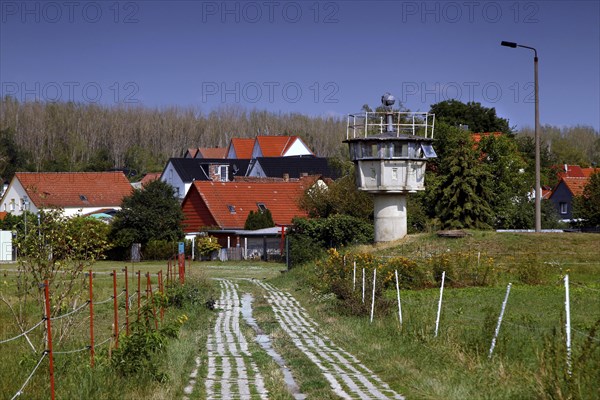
<point x="530" y="271"/>
<point x="159" y="250"/>
<point x="206" y="245"/>
<point x="410" y="274"/>
<point x="463" y="269"/>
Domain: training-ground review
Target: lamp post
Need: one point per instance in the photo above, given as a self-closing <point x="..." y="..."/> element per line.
<point x="25" y="209"/>
<point x="538" y="189"/>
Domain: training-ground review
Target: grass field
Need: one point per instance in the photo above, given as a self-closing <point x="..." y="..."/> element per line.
<point x="528" y="362"/>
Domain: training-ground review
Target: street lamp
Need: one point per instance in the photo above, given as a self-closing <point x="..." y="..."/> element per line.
<point x="25" y="209"/>
<point x="538" y="189"/>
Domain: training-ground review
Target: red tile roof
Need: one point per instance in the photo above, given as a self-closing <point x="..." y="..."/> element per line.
<point x="3" y="214"/>
<point x="275" y="146"/>
<point x="281" y="198"/>
<point x="242" y="146"/>
<point x="149" y="177"/>
<point x="587" y="172"/>
<point x="575" y="184"/>
<point x="192" y="151"/>
<point x="478" y="136"/>
<point x="573" y="171"/>
<point x="75" y="189"/>
<point x="213" y="152"/>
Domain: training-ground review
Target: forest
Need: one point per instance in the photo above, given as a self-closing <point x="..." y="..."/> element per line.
<point x="38" y="136"/>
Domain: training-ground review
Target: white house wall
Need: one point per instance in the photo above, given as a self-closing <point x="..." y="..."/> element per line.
<point x="256" y="171"/>
<point x="298" y="148"/>
<point x="171" y="177"/>
<point x="16" y="193"/>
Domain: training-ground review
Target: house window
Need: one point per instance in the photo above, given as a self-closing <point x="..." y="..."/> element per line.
<point x="261" y="207"/>
<point x="223" y="172"/>
<point x="12" y="205"/>
<point x="563" y="208"/>
<point x="231" y="208"/>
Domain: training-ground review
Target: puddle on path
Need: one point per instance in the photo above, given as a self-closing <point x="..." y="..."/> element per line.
<point x="265" y="342"/>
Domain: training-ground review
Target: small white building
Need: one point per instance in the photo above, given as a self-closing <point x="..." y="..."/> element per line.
<point x="77" y="193"/>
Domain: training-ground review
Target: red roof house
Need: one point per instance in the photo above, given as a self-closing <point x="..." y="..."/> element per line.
<point x="226" y="205"/>
<point x="240" y="148"/>
<point x="75" y="192"/>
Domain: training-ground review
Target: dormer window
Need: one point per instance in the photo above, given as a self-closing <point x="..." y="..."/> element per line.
<point x="83" y="198"/>
<point x="261" y="207"/>
<point x="223" y="172"/>
<point x="231" y="208"/>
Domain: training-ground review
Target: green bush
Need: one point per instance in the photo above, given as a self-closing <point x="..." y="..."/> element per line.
<point x="159" y="250"/>
<point x="410" y="274"/>
<point x="206" y="245"/>
<point x="463" y="269"/>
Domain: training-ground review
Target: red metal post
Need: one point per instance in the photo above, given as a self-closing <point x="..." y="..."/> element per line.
<point x="126" y="302"/>
<point x="92" y="350"/>
<point x="49" y="333"/>
<point x="116" y="309"/>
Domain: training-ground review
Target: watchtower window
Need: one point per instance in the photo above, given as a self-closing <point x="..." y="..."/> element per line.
<point x="400" y="150"/>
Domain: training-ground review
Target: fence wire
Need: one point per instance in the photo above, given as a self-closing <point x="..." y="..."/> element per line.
<point x="24" y="333"/>
<point x="20" y="391"/>
<point x="71" y="312"/>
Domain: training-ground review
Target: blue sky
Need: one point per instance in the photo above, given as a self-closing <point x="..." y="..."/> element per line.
<point x="317" y="58"/>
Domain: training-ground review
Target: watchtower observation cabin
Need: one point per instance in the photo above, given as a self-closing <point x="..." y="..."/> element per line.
<point x="390" y="151"/>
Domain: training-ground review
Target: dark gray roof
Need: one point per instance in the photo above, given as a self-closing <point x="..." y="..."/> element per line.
<point x="196" y="169"/>
<point x="275" y="167"/>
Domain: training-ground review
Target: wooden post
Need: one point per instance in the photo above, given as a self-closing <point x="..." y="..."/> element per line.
<point x="49" y="333"/>
<point x="116" y="309"/>
<point x="92" y="350"/>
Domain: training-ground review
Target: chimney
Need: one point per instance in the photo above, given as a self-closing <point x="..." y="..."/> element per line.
<point x="304" y="174"/>
<point x="286" y="177"/>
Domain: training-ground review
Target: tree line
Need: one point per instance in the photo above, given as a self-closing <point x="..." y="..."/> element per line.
<point x="44" y="136"/>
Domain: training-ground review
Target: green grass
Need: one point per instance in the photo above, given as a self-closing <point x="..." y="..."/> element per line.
<point x="453" y="365"/>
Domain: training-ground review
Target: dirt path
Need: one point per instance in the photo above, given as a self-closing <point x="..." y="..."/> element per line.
<point x="347" y="377"/>
<point x="232" y="374"/>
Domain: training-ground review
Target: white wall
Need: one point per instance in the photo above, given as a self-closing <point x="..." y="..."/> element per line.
<point x="298" y="148"/>
<point x="15" y="195"/>
<point x="5" y="246"/>
<point x="171" y="177"/>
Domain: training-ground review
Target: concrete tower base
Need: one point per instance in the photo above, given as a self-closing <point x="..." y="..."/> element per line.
<point x="390" y="217"/>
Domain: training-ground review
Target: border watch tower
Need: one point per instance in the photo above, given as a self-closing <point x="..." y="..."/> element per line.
<point x="390" y="151"/>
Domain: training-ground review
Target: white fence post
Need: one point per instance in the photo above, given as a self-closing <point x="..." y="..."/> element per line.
<point x="437" y="320"/>
<point x="363" y="287"/>
<point x="568" y="323"/>
<point x="354" y="277"/>
<point x="499" y="320"/>
<point x="398" y="294"/>
<point x="373" y="300"/>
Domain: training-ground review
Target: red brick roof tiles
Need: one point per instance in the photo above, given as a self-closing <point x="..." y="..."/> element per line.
<point x="243" y="147"/>
<point x="75" y="189"/>
<point x="212" y="152"/>
<point x="575" y="184"/>
<point x="281" y="198"/>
